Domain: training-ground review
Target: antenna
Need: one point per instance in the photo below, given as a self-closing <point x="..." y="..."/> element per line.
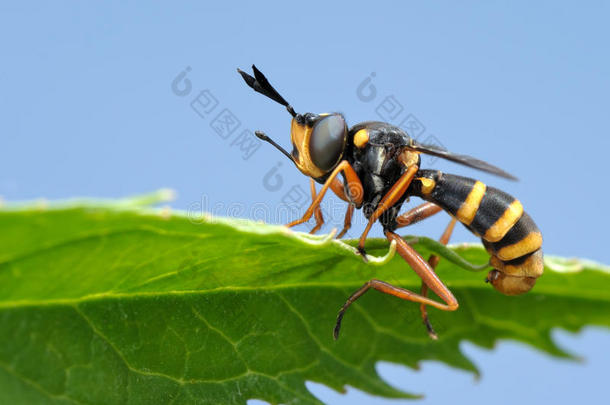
<point x="261" y="135"/>
<point x="261" y="85"/>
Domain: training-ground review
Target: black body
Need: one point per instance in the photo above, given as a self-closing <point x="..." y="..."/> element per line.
<point x="377" y="165"/>
<point x="378" y="168"/>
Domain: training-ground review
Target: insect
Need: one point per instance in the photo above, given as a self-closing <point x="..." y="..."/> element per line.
<point x="379" y="166"/>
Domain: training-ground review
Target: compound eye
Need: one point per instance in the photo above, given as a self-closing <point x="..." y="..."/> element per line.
<point x="327" y="141"/>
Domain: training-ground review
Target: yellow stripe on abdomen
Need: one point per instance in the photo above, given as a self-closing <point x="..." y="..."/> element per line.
<point x="530" y="265"/>
<point x="469" y="207"/>
<point x="505" y="222"/>
<point x="532" y="242"/>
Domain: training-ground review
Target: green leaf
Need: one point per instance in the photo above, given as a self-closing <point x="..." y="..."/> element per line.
<point x="107" y="302"/>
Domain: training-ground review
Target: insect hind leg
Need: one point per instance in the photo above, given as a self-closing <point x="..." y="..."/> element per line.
<point x="423" y="270"/>
<point x="433" y="262"/>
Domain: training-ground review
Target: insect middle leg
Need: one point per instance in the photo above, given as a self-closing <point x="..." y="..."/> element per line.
<point x="423" y="270"/>
<point x="388" y="200"/>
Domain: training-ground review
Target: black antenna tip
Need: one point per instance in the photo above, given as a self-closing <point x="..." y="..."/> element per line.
<point x="261" y="135"/>
<point x="260" y="84"/>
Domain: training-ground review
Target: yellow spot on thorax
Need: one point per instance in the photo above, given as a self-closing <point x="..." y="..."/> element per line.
<point x="361" y="138"/>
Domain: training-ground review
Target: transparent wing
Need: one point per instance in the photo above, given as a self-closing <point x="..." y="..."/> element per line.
<point x="461" y="159"/>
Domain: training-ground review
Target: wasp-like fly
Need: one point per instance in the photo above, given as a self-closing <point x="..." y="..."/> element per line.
<point x="379" y="166"/>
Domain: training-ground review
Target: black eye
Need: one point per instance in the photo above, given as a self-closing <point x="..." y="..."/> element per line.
<point x="327" y="141"/>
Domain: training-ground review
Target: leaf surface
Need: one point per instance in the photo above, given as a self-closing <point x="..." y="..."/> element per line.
<point x="109" y="303"/>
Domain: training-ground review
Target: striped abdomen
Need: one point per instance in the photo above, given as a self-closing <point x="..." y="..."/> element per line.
<point x="508" y="233"/>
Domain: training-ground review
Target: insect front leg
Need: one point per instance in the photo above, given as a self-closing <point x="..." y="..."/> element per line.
<point x="352" y="180"/>
<point x="347" y="222"/>
<point x="338" y="188"/>
<point x="317" y="210"/>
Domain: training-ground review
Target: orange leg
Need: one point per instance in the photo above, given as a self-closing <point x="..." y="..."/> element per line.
<point x="397" y="190"/>
<point x="433" y="262"/>
<point x="417" y="214"/>
<point x="347" y="222"/>
<point x="411" y="217"/>
<point x="317" y="211"/>
<point x="423" y="270"/>
<point x="355" y="187"/>
<point x="337" y="187"/>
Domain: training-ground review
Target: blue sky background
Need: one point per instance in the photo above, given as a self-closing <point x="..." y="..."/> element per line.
<point x="87" y="109"/>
